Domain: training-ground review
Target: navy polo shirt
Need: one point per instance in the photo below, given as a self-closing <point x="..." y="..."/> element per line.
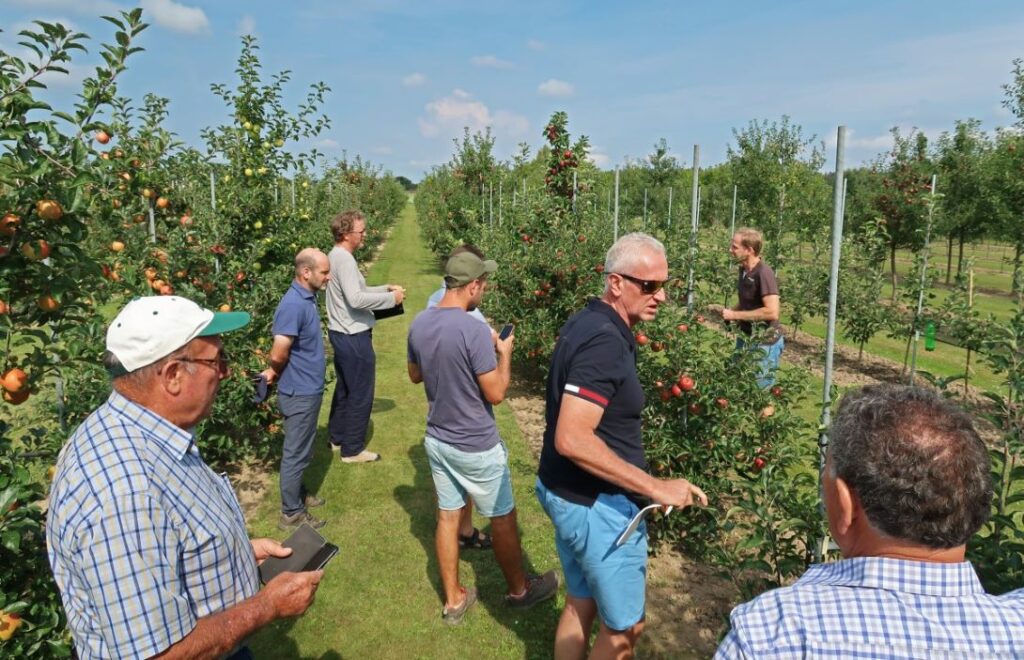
<point x="594" y="359"/>
<point x="298" y="317"/>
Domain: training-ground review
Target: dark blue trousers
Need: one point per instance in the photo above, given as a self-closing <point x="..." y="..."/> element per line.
<point x="355" y="364"/>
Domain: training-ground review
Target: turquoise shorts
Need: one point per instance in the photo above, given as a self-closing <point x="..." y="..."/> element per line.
<point x="614" y="577"/>
<point x="483" y="476"/>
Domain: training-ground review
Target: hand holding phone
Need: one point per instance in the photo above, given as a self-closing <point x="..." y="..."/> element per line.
<point x="506" y="331"/>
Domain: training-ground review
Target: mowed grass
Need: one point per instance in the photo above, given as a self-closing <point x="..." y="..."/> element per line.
<point x="381" y="596"/>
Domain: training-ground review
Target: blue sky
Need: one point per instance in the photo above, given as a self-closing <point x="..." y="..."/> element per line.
<point x="407" y="76"/>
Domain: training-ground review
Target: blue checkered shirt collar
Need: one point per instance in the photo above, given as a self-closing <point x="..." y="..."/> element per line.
<point x="911" y="577"/>
<point x="170" y="438"/>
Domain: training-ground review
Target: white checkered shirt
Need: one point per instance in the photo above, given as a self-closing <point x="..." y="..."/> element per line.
<point x="870" y="607"/>
<point x="144" y="538"/>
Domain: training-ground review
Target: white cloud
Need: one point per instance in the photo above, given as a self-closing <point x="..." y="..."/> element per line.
<point x="414" y="80"/>
<point x="557" y="88"/>
<point x="86" y="7"/>
<point x="447" y="116"/>
<point x="599" y="159"/>
<point x="327" y="144"/>
<point x="490" y="61"/>
<point x="246" y="25"/>
<point x="176" y="17"/>
<point x="876" y="143"/>
<point x="534" y="44"/>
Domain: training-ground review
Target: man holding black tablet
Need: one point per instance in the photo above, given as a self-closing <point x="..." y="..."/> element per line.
<point x="453" y="355"/>
<point x="147" y="544"/>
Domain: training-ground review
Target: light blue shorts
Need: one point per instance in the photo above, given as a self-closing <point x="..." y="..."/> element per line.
<point x="483" y="476"/>
<point x="771" y="353"/>
<point x="615" y="578"/>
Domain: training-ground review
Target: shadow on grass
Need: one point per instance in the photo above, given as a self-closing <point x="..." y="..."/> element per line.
<point x="535" y="627"/>
<point x="275" y="641"/>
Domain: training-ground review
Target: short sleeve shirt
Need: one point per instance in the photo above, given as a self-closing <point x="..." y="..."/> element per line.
<point x="143" y="538"/>
<point x="752" y="288"/>
<point x="451" y="348"/>
<point x="298" y="317"/>
<point x="595" y="360"/>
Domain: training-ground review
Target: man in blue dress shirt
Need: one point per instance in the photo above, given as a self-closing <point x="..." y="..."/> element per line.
<point x="906" y="484"/>
<point x="297" y="365"/>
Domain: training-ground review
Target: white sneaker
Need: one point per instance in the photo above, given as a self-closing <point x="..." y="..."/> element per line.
<point x="362" y="457"/>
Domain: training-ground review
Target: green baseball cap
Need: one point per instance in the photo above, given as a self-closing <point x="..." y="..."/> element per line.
<point x="465" y="267"/>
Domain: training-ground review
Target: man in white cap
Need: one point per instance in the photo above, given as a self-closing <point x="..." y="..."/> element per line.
<point x="147" y="544"/>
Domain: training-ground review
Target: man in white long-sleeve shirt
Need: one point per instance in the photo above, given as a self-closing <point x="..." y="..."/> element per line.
<point x="350" y="305"/>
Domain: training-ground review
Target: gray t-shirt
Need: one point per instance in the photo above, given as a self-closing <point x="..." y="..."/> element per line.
<point x="451" y="349"/>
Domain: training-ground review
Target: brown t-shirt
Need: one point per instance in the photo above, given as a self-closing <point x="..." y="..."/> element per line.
<point x="753" y="287"/>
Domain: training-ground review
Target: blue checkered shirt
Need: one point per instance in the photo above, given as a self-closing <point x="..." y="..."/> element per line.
<point x="144" y="538"/>
<point x="870" y="607"/>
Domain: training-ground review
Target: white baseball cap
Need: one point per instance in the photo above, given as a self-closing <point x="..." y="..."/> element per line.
<point x="153" y="327"/>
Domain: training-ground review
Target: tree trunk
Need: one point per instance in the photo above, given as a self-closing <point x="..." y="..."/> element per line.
<point x="892" y="269"/>
<point x="949" y="256"/>
<point x="960" y="253"/>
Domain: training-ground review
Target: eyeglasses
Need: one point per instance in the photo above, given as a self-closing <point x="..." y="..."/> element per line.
<point x="220" y="363"/>
<point x="647" y="287"/>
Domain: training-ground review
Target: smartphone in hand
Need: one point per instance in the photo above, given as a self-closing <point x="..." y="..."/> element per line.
<point x="506" y="331"/>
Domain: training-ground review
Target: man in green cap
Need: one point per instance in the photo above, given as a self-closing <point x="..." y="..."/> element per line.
<point x="147" y="544"/>
<point x="453" y="355"/>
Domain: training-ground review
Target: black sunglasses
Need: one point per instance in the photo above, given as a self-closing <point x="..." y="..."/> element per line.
<point x="647" y="287"/>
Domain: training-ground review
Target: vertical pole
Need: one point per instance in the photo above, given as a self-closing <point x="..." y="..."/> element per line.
<point x="830" y="331"/>
<point x="920" y="291"/>
<point x="694" y="211"/>
<point x="490" y="203"/>
<point x="293" y="193"/>
<point x="645" y="209"/>
<point x="616" y="203"/>
<point x="483" y="203"/>
<point x="213" y="191"/>
<point x="669" y="225"/>
<point x="499" y="202"/>
<point x="330" y="188"/>
<point x="732" y="223"/>
<point x="152" y="224"/>
<point x="277" y="192"/>
<point x="574" y="173"/>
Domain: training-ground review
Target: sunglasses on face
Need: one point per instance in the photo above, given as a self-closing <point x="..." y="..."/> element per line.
<point x="647" y="287"/>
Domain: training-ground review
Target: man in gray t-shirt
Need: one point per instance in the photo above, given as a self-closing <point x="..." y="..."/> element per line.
<point x="453" y="355"/>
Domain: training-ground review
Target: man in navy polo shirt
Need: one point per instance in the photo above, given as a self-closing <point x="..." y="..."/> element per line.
<point x="297" y="364"/>
<point x="592" y="471"/>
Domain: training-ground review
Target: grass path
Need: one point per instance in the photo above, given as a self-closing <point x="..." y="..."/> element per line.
<point x="381" y="597"/>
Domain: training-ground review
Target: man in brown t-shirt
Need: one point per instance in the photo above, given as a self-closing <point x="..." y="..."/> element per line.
<point x="758" y="306"/>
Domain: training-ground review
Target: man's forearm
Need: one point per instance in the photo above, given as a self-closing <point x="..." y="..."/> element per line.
<point x="505" y="371"/>
<point x="589" y="452"/>
<point x="218" y="634"/>
<point x="759" y="314"/>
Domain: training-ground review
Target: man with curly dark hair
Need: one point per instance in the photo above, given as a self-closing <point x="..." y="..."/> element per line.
<point x="906" y="484"/>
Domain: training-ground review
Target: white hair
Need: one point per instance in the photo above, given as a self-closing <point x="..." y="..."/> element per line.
<point x="630" y="250"/>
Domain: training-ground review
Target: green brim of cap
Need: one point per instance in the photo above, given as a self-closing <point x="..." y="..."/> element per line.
<point x="225" y="322"/>
<point x="490" y="266"/>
